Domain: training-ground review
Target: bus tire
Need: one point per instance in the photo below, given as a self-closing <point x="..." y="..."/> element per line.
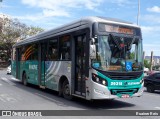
<point x="24" y="79"/>
<point x="150" y="89"/>
<point x="66" y="90"/>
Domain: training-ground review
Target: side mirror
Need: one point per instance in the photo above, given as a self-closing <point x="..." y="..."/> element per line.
<point x="92" y="51"/>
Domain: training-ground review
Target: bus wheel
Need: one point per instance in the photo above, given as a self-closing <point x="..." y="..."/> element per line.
<point x="24" y="79"/>
<point x="66" y="90"/>
<point x="150" y="88"/>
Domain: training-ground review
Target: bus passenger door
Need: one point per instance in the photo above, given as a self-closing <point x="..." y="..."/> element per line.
<point x="17" y="64"/>
<point x="80" y="65"/>
<point x="42" y="56"/>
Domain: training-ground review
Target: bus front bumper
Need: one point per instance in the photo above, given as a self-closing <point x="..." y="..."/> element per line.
<point x="102" y="92"/>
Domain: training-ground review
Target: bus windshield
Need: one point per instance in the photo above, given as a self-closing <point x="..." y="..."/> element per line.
<point x="117" y="53"/>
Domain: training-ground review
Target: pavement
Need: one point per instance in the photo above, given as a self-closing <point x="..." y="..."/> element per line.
<point x="2" y="68"/>
<point x="15" y="96"/>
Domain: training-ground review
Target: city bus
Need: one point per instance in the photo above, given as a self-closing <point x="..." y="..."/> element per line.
<point x="92" y="58"/>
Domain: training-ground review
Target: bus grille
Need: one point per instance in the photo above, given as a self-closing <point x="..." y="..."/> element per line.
<point x="123" y="91"/>
<point x="124" y="76"/>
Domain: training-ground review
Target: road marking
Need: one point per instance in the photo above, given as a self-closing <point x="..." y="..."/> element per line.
<point x="55" y="101"/>
<point x="157" y="108"/>
<point x="8" y="81"/>
<point x="7" y="98"/>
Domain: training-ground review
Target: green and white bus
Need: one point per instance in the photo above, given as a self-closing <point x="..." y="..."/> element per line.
<point x="91" y="58"/>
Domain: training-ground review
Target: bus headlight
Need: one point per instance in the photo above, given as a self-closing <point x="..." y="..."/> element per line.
<point x="99" y="80"/>
<point x="104" y="82"/>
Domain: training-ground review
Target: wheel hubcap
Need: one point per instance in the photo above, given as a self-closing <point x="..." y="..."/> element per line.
<point x="66" y="90"/>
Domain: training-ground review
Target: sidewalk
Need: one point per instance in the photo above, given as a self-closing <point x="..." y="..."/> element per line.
<point x="2" y="68"/>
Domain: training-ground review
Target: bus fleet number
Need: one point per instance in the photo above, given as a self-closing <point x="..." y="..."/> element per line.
<point x="116" y="83"/>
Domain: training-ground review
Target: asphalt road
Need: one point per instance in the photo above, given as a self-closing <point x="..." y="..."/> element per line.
<point x="15" y="96"/>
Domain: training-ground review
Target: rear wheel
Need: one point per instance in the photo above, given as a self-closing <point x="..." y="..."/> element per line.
<point x="24" y="79"/>
<point x="66" y="90"/>
<point x="150" y="88"/>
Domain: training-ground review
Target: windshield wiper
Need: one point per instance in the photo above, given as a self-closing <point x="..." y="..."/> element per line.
<point x="115" y="40"/>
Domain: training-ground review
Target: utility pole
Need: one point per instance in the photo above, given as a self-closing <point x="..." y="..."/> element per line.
<point x="151" y="61"/>
<point x="138" y="12"/>
<point x="143" y="55"/>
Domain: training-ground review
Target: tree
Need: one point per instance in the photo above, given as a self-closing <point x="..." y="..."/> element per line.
<point x="33" y="30"/>
<point x="147" y="64"/>
<point x="132" y="55"/>
<point x="11" y="32"/>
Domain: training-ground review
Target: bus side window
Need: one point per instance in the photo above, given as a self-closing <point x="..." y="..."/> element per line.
<point x="64" y="48"/>
<point x="67" y="56"/>
<point x="14" y="54"/>
<point x="22" y="53"/>
<point x="53" y="50"/>
<point x="29" y="52"/>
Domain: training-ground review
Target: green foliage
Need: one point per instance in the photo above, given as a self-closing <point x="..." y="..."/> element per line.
<point x="11" y="32"/>
<point x="132" y="55"/>
<point x="147" y="64"/>
<point x="34" y="30"/>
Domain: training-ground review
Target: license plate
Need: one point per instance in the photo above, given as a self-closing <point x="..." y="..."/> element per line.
<point x="125" y="96"/>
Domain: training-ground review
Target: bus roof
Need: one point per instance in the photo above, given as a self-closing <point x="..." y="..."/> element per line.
<point x="71" y="26"/>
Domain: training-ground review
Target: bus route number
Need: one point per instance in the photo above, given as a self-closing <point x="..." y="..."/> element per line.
<point x="116" y="83"/>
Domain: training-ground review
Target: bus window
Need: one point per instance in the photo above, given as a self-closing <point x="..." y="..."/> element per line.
<point x="65" y="48"/>
<point x="29" y="52"/>
<point x="53" y="50"/>
<point x="22" y="53"/>
<point x="14" y="54"/>
<point x="44" y="51"/>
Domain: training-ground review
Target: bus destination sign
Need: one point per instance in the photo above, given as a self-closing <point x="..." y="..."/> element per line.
<point x="116" y="29"/>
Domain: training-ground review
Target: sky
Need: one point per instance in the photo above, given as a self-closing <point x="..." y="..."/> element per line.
<point x="49" y="14"/>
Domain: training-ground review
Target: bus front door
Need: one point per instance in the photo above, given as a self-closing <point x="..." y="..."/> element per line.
<point x="80" y="64"/>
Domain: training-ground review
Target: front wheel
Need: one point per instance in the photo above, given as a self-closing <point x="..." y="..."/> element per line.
<point x="66" y="90"/>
